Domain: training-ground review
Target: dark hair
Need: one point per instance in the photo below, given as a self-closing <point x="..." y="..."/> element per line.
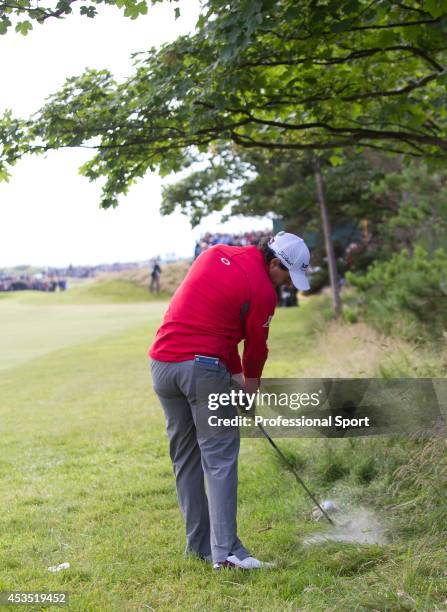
<point x="269" y="253"/>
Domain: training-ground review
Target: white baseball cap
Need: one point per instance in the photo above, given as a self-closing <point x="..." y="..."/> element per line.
<point x="294" y="255"/>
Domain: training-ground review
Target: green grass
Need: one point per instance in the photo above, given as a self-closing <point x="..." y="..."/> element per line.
<point x="109" y="290"/>
<point x="32" y="328"/>
<point x="86" y="478"/>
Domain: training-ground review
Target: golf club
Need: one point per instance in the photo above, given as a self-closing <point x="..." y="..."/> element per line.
<point x="295" y="473"/>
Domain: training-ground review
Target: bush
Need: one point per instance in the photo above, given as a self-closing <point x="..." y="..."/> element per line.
<point x="406" y="294"/>
<point x="318" y="280"/>
<point x="350" y="315"/>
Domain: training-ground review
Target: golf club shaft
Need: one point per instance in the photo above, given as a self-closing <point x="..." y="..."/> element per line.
<point x="295" y="473"/>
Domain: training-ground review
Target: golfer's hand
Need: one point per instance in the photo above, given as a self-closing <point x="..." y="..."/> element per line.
<point x="250" y="388"/>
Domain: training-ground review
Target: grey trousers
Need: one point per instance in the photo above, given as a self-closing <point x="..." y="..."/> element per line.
<point x="201" y="453"/>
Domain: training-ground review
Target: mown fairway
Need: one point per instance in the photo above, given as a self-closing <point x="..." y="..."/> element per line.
<point x="33" y="329"/>
<point x="86" y="478"/>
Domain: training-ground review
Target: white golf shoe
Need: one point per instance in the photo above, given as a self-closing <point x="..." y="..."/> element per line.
<point x="249" y="563"/>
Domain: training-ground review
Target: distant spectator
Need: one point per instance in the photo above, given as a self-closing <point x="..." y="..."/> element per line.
<point x="197" y="250"/>
<point x="155" y="277"/>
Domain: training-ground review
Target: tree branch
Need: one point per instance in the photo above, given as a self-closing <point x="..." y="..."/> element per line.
<point x="41" y="14"/>
<point x="356" y="132"/>
<point x="59" y="12"/>
<point x="411" y="8"/>
<point x="267" y="63"/>
<point x="360" y="96"/>
<point x="405" y="24"/>
<point x="356" y="29"/>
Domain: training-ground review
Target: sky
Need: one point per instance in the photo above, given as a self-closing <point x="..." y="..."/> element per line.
<point x="49" y="214"/>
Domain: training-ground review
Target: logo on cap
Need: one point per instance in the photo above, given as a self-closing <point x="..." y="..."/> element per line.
<point x="284" y="256"/>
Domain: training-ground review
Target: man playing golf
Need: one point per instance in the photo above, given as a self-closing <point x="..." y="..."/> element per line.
<point x="227" y="296"/>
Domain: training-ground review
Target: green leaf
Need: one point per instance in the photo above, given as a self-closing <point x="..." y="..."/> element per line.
<point x="4" y="175"/>
<point x="88" y="11"/>
<point x="4" y="25"/>
<point x="386" y="38"/>
<point x="435" y="7"/>
<point x="336" y="160"/>
<point x="342" y="26"/>
<point x="292" y="13"/>
<point x="23" y="27"/>
<point x="142" y="8"/>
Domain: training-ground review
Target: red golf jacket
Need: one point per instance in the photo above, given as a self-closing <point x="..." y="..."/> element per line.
<point x="226" y="297"/>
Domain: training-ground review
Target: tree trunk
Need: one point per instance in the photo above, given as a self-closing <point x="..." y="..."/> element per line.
<point x="332" y="264"/>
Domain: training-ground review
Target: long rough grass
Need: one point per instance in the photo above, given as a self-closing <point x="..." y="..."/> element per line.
<point x="86" y="478"/>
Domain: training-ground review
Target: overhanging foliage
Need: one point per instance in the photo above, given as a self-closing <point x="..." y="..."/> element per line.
<point x="272" y="74"/>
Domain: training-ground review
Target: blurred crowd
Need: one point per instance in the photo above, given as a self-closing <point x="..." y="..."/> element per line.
<point x="37" y="282"/>
<point x="243" y="239"/>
